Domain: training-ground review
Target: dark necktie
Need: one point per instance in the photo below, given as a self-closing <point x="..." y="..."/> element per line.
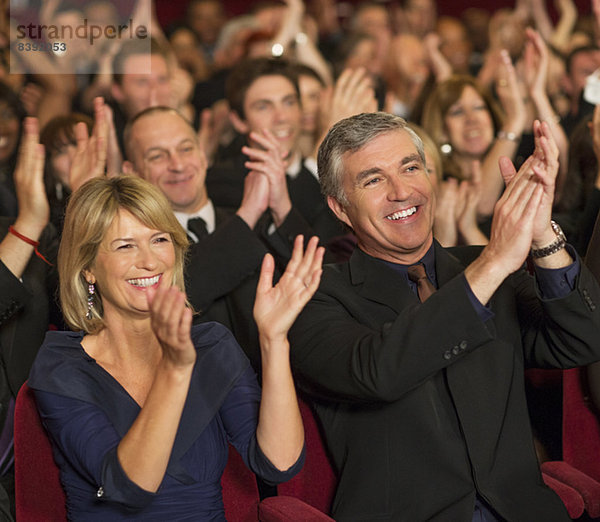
<point x="197" y="226"/>
<point x="417" y="274"/>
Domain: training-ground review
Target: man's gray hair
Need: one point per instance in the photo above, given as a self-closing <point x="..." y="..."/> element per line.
<point x="350" y="135"/>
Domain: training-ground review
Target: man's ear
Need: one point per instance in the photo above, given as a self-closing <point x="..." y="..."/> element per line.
<point x="238" y="124"/>
<point x="116" y="92"/>
<point x="340" y="212"/>
<point x="567" y="85"/>
<point x="128" y="168"/>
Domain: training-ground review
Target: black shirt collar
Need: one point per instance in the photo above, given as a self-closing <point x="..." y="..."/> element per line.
<point x="428" y="260"/>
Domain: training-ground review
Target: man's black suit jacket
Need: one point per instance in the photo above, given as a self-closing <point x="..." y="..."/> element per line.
<point x="225" y="186"/>
<point x="423" y="404"/>
<point x="222" y="271"/>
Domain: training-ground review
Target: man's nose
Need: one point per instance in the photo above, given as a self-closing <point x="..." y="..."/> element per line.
<point x="281" y="113"/>
<point x="398" y="189"/>
<point x="175" y="162"/>
<point x="153" y="95"/>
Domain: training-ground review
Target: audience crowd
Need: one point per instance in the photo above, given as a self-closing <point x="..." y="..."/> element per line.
<point x="231" y="118"/>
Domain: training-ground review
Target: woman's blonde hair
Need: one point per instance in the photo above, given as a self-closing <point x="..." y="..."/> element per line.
<point x="90" y="212"/>
<point x="430" y="149"/>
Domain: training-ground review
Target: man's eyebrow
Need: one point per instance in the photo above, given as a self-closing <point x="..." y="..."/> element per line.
<point x="259" y="101"/>
<point x="162" y="147"/>
<point x="153" y="149"/>
<point x="363" y="174"/>
<point x="410" y="159"/>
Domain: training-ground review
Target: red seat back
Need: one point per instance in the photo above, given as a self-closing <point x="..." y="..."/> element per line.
<point x="581" y="428"/>
<point x="316" y="483"/>
<point x="38" y="493"/>
<point x="240" y="492"/>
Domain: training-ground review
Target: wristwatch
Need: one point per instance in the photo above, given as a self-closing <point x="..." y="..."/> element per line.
<point x="556" y="245"/>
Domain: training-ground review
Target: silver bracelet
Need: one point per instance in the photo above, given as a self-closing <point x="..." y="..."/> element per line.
<point x="301" y="38"/>
<point x="510" y="136"/>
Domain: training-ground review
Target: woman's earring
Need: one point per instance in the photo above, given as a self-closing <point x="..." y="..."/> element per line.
<point x="446" y="148"/>
<point x="90" y="300"/>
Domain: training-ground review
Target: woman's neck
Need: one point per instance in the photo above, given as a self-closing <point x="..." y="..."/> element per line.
<point x="130" y="355"/>
<point x="124" y="341"/>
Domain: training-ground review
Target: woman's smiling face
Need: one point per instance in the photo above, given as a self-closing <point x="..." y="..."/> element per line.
<point x="469" y="125"/>
<point x="131" y="258"/>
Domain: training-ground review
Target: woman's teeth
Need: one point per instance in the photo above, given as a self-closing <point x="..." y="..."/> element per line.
<point x="144" y="282"/>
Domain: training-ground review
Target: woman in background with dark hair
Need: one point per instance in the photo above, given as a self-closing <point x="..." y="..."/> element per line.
<point x="467" y="125"/>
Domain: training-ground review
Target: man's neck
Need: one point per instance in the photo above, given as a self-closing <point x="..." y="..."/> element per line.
<point x="206" y="212"/>
<point x="294" y="164"/>
<point x="201" y="201"/>
<point x="399" y="258"/>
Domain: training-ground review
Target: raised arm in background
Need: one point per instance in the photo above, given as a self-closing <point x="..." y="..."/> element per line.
<point x="536" y="74"/>
<point x="34" y="210"/>
<point x="506" y="143"/>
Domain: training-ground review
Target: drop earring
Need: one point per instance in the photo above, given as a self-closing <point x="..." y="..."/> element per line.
<point x="90" y="300"/>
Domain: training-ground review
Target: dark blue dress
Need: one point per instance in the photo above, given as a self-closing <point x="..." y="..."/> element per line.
<point x="87" y="412"/>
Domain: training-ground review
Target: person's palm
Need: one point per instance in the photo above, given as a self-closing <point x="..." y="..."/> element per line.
<point x="276" y="307"/>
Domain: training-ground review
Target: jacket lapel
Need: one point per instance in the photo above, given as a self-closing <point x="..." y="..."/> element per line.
<point x="221" y="216"/>
<point x="447" y="266"/>
<point x="379" y="283"/>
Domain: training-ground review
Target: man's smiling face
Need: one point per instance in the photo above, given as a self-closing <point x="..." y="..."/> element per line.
<point x="272" y="103"/>
<point x="166" y="153"/>
<point x="390" y="201"/>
